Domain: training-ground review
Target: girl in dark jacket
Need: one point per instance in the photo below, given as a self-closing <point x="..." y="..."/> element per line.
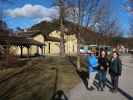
<point x="115" y="71"/>
<point x="102" y="69"/>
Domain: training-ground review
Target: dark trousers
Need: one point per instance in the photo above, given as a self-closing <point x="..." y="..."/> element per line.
<point x="102" y="78"/>
<point x="114" y="80"/>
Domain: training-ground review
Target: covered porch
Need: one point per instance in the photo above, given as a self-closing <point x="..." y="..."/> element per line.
<point x="23" y="45"/>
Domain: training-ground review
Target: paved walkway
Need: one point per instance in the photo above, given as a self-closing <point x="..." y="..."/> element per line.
<point x="125" y="86"/>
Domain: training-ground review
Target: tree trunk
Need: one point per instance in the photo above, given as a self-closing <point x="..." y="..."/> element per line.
<point x="78" y="41"/>
<point x="62" y="46"/>
<point x="78" y="52"/>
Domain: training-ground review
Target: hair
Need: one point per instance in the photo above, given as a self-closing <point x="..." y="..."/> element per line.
<point x="116" y="53"/>
<point x="101" y="53"/>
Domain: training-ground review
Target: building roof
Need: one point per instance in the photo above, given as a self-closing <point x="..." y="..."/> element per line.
<point x="31" y="33"/>
<point x="19" y="41"/>
<point x="54" y="39"/>
<point x="28" y="33"/>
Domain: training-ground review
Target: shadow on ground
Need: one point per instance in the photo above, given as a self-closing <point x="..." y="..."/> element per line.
<point x="84" y="74"/>
<point x="121" y="91"/>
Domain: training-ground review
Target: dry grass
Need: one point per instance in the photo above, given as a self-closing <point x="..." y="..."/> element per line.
<point x="37" y="79"/>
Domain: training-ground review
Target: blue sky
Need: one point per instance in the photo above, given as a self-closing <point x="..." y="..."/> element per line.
<point x="23" y="21"/>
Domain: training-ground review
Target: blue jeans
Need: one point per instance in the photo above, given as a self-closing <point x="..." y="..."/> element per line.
<point x="102" y="78"/>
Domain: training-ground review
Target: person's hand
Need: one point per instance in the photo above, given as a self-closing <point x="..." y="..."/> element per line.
<point x="101" y="67"/>
<point x="78" y="69"/>
<point x="107" y="64"/>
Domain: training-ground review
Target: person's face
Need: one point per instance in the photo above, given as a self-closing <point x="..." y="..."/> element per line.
<point x="103" y="54"/>
<point x="115" y="55"/>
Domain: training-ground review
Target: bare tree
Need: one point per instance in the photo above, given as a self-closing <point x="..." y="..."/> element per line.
<point x="129" y="7"/>
<point x="76" y="11"/>
<point x="4" y="30"/>
<point x="105" y="26"/>
<point x="61" y="4"/>
<point x="131" y="28"/>
<point x="79" y="12"/>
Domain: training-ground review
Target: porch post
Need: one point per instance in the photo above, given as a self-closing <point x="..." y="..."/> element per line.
<point x="41" y="49"/>
<point x="37" y="50"/>
<point x="28" y="49"/>
<point x="21" y="49"/>
<point x="49" y="47"/>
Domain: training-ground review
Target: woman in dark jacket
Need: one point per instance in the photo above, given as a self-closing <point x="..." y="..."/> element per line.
<point x="115" y="71"/>
<point x="102" y="69"/>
